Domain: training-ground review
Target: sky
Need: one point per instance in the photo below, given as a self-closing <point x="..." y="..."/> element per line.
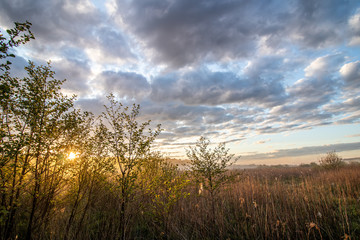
<point x="277" y="81"/>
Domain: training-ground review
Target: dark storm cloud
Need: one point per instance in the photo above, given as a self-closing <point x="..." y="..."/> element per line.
<point x="212" y="88"/>
<point x="186" y="32"/>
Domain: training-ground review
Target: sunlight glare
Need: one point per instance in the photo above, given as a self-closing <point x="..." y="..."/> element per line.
<point x="72" y="156"/>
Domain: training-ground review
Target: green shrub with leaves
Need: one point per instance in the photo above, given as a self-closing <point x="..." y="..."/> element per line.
<point x="209" y="168"/>
<point x="164" y="185"/>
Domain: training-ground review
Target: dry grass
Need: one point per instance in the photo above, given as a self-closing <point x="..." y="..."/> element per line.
<point x="272" y="203"/>
<point x="289" y="203"/>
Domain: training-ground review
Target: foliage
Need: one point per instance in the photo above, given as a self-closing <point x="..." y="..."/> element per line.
<point x="33" y="124"/>
<point x="209" y="166"/>
<point x="129" y="144"/>
<point x="116" y="187"/>
<point x="164" y="186"/>
<point x="331" y="161"/>
<point x="14" y="40"/>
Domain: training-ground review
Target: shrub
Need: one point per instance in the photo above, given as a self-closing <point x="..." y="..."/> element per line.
<point x="331" y="161"/>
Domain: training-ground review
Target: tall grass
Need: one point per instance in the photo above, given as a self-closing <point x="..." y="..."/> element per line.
<point x="272" y="203"/>
<point x="289" y="203"/>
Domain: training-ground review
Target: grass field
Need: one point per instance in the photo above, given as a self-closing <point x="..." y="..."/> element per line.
<point x="276" y="203"/>
<point x="261" y="203"/>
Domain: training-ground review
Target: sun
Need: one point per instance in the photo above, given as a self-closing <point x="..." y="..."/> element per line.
<point x="72" y="156"/>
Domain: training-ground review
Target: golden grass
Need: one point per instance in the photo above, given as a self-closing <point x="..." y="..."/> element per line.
<point x="289" y="203"/>
<point x="271" y="203"/>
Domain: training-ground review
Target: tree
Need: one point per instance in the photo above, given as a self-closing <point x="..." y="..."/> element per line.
<point x="90" y="164"/>
<point x="15" y="39"/>
<point x="331" y="161"/>
<point x="209" y="167"/>
<point x="34" y="120"/>
<point x="129" y="145"/>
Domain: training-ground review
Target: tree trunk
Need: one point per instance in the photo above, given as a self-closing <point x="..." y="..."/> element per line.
<point x="32" y="213"/>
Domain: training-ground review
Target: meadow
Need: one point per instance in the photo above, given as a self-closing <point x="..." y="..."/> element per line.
<point x="289" y="203"/>
<point x="274" y="203"/>
<point x="266" y="203"/>
<point x="68" y="174"/>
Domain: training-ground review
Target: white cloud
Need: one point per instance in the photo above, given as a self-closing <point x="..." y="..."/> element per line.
<point x="111" y="7"/>
<point x="354" y="27"/>
<point x="351" y="74"/>
<point x="354" y="22"/>
<point x="81" y="6"/>
<point x="354" y="41"/>
<point x="323" y="66"/>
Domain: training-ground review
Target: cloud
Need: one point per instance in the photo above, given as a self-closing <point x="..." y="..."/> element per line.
<point x="178" y="114"/>
<point x="59" y="25"/>
<point x="194" y="143"/>
<point x="318" y="24"/>
<point x="351" y="74"/>
<point x="324" y="66"/>
<point x="54" y="20"/>
<point x="354" y="28"/>
<point x="270" y="107"/>
<point x="113" y="43"/>
<point x="125" y="84"/>
<point x="310" y="93"/>
<point x="212" y="88"/>
<point x="221" y="69"/>
<point x="353" y="118"/>
<point x="77" y="74"/>
<point x="263" y="141"/>
<point x="179" y="32"/>
<point x="353" y="135"/>
<point x="94" y="105"/>
<point x="308" y="97"/>
<point x="179" y="120"/>
<point x="347" y="110"/>
<point x="340" y="147"/>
